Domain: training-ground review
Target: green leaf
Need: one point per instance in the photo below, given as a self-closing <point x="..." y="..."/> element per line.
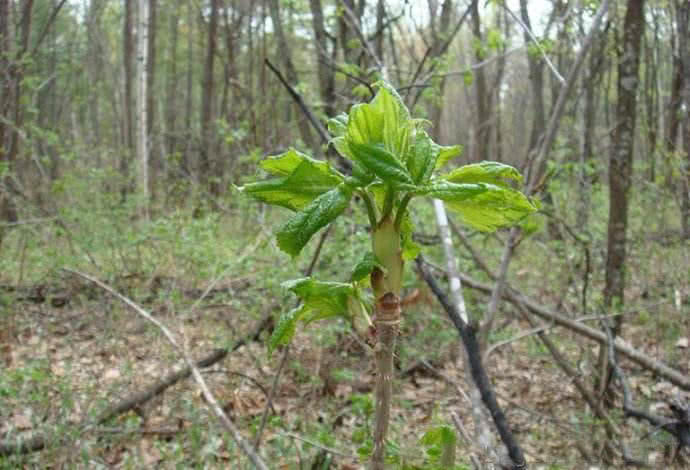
<point x="337" y="125"/>
<point x="396" y="118"/>
<point x="483" y="206"/>
<point x="299" y="229"/>
<point x="365" y="124"/>
<point x="386" y="120"/>
<point x="446" y="154"/>
<point x="322" y="299"/>
<point x="285" y="329"/>
<point x="495" y="173"/>
<point x="440" y="435"/>
<point x="302" y="179"/>
<point x="426" y="155"/>
<point x="380" y="162"/>
<point x="421" y="158"/>
<point x="364" y="267"/>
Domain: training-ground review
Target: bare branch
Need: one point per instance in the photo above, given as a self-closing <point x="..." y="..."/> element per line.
<point x="210" y="398"/>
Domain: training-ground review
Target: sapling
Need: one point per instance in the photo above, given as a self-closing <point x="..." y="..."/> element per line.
<point x="393" y="162"/>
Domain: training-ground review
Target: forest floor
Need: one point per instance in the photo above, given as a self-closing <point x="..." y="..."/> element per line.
<point x="69" y="350"/>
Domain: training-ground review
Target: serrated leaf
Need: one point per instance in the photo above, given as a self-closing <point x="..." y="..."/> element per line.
<point x="385" y="120"/>
<point x="483" y="206"/>
<point x="364" y="267"/>
<point x="380" y="162"/>
<point x="365" y="124"/>
<point x="421" y="158"/>
<point x="495" y="173"/>
<point x="285" y="328"/>
<point x="302" y="180"/>
<point x="337" y="125"/>
<point x="396" y="122"/>
<point x="299" y="229"/>
<point x="446" y="154"/>
<point x="322" y="299"/>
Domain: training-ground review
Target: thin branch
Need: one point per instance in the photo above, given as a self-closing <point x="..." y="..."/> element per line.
<point x="318" y="446"/>
<point x="672" y="375"/>
<point x="469" y="339"/>
<point x="536" y="43"/>
<point x="210" y="398"/>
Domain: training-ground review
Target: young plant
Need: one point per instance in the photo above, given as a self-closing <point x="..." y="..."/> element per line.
<point x="393" y="161"/>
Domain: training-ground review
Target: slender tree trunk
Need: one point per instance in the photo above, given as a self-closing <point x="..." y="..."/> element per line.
<point x="207" y="111"/>
<point x="621" y="156"/>
<point x="13" y="101"/>
<point x="380" y="18"/>
<point x="290" y="71"/>
<point x="651" y="98"/>
<point x="684" y="49"/>
<point x="186" y="165"/>
<point x="483" y="130"/>
<point x="95" y="68"/>
<point x="128" y="108"/>
<point x="171" y="86"/>
<point x="674" y="106"/>
<point x="141" y="145"/>
<point x="154" y="157"/>
<point x="325" y="73"/>
<point x="7" y="209"/>
<point x="536" y="80"/>
<point x="586" y="173"/>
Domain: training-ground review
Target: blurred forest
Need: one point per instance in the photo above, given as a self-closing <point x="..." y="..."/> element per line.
<point x="126" y="126"/>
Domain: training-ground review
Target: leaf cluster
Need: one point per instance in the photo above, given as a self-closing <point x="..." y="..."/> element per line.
<point x="393" y="161"/>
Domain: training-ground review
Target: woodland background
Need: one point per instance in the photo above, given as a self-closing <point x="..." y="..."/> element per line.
<point x="125" y="124"/>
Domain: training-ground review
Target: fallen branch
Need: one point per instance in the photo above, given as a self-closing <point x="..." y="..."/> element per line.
<point x="672" y="375"/>
<point x="38" y="442"/>
<point x="210" y="399"/>
<point x="469" y="340"/>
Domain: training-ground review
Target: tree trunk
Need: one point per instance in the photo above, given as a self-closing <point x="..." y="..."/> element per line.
<point x="207" y="94"/>
<point x="12" y="102"/>
<point x="171" y="86"/>
<point x="185" y="165"/>
<point x="141" y="146"/>
<point x="128" y="108"/>
<point x="7" y="209"/>
<point x="674" y="107"/>
<point x="586" y="173"/>
<point x="536" y="80"/>
<point x="154" y="157"/>
<point x="290" y="71"/>
<point x="326" y="73"/>
<point x="483" y="129"/>
<point x="683" y="21"/>
<point x="621" y="156"/>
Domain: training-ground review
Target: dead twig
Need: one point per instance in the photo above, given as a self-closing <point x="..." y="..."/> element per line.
<point x="469" y="339"/>
<point x="210" y="398"/>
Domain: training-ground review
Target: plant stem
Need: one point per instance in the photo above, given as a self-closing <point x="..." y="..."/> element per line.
<point x="401" y="210"/>
<point x="387" y="323"/>
<point x="371" y="208"/>
<point x="388" y="203"/>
